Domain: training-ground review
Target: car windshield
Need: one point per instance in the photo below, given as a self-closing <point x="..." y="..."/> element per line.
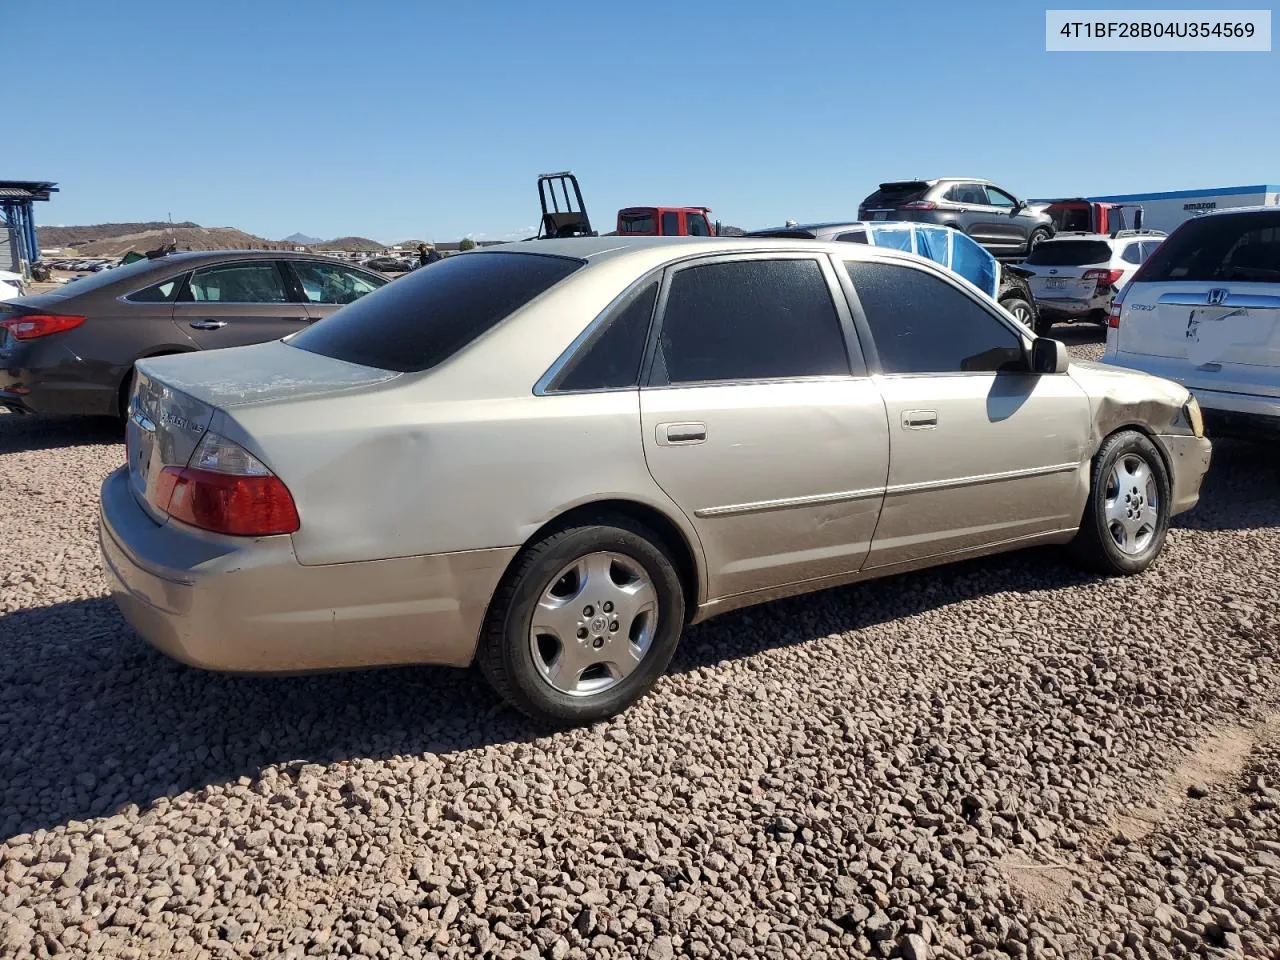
<point x="427" y="316"/>
<point x="1069" y="253"/>
<point x="1238" y="246"/>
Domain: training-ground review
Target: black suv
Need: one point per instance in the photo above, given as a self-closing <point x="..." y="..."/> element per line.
<point x="997" y="219"/>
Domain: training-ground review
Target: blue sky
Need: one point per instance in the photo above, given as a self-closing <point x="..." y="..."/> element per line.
<point x="433" y="119"/>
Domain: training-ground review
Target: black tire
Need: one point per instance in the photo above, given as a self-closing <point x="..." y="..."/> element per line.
<point x="506" y="656"/>
<point x="1036" y="236"/>
<point x="126" y="391"/>
<point x="1095" y="546"/>
<point x="1022" y="311"/>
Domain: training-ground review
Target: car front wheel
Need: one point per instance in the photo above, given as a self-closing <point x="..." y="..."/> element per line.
<point x="585" y="622"/>
<point x="1127" y="516"/>
<point x="1038" y="236"/>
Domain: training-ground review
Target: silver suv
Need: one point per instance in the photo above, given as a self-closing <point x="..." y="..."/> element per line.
<point x="1077" y="275"/>
<point x="998" y="220"/>
<point x="1204" y="310"/>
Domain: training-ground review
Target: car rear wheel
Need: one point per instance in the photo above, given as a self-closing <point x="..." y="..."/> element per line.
<point x="1127" y="516"/>
<point x="1038" y="236"/>
<point x="1022" y="312"/>
<point x="584" y="623"/>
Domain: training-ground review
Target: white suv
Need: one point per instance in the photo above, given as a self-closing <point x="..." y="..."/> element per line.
<point x="1076" y="275"/>
<point x="1205" y="311"/>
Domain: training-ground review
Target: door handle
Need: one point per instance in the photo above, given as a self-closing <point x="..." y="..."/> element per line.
<point x="681" y="433"/>
<point x="919" y="419"/>
<point x="207" y="324"/>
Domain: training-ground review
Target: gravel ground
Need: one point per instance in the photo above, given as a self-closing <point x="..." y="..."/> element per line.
<point x="1001" y="758"/>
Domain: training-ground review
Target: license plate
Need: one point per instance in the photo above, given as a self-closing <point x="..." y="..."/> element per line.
<point x="880" y="216"/>
<point x="1056" y="283"/>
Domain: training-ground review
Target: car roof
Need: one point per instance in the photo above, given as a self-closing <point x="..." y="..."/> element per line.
<point x="206" y="256"/>
<point x="1228" y="211"/>
<point x="646" y="253"/>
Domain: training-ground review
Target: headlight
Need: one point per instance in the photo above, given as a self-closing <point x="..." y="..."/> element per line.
<point x="1194" y="417"/>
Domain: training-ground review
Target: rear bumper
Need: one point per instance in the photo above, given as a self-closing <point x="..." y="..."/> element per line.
<point x="248" y="606"/>
<point x="50" y="379"/>
<point x="1189" y="459"/>
<point x="1073" y="308"/>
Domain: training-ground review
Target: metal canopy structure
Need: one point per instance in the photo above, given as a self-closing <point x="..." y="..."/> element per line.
<point x="16" y="198"/>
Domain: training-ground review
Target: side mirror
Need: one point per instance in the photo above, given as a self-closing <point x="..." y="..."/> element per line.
<point x="1049" y="356"/>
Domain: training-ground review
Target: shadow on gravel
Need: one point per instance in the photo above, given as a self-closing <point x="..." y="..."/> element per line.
<point x="1078" y="334"/>
<point x="1241" y="491"/>
<point x="91" y="718"/>
<point x="22" y="432"/>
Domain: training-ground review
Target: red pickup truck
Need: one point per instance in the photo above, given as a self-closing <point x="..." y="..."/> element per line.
<point x="665" y="222"/>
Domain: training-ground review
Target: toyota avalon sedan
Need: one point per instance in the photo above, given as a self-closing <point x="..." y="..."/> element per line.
<point x="551" y="461"/>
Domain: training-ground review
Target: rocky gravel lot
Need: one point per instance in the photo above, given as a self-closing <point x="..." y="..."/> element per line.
<point x="1004" y="758"/>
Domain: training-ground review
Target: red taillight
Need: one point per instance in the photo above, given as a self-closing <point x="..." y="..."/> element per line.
<point x="1105" y="278"/>
<point x="246" y="506"/>
<point x="919" y="205"/>
<point x="29" y="326"/>
<point x="1113" y="316"/>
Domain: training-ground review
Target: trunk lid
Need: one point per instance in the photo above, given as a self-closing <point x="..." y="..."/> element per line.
<point x="1217" y="336"/>
<point x="176" y="397"/>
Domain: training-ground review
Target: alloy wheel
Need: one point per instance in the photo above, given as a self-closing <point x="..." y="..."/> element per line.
<point x="593" y="624"/>
<point x="1132" y="504"/>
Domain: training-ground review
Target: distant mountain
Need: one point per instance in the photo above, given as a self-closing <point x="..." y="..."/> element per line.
<point x="117" y="239"/>
<point x="351" y="244"/>
<point x="302" y="239"/>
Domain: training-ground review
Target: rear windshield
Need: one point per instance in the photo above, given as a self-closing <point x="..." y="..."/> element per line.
<point x="1070" y="253"/>
<point x="1231" y="247"/>
<point x="896" y="194"/>
<point x="96" y="281"/>
<point x="427" y="316"/>
<point x="637" y="223"/>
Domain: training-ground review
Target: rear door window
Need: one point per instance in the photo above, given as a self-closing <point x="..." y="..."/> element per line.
<point x="1069" y="253"/>
<point x="853" y="236"/>
<point x="1132" y="253"/>
<point x="1233" y="247"/>
<point x="974" y="194"/>
<point x="671" y="224"/>
<point x="922" y="324"/>
<point x="427" y="316"/>
<point x="259" y="281"/>
<point x="749" y="320"/>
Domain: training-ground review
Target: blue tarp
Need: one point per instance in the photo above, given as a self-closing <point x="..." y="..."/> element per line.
<point x="950" y="248"/>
